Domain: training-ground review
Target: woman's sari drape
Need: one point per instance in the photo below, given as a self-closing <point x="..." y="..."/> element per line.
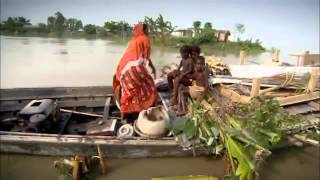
<point x="138" y="91"/>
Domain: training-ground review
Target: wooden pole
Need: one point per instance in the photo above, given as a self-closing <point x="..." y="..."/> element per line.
<point x="103" y="166"/>
<point x="75" y="169"/>
<point x="255" y="88"/>
<point x="313" y="79"/>
<point x="276" y="55"/>
<point x="242" y="56"/>
<point x="305" y="58"/>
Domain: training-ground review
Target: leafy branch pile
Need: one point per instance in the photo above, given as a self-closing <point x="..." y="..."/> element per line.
<point x="246" y="136"/>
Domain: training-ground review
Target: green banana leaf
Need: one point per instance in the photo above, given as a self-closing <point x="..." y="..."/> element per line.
<point x="273" y="138"/>
<point x="245" y="167"/>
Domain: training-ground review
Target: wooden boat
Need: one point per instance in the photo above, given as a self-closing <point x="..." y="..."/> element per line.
<point x="94" y="102"/>
<point x="81" y="101"/>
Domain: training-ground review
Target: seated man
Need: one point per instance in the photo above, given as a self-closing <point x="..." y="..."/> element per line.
<point x="180" y="76"/>
<point x="198" y="90"/>
<point x="195" y="52"/>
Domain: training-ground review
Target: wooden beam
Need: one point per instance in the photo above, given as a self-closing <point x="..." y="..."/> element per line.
<point x="234" y="96"/>
<point x="276" y="55"/>
<point x="53" y="97"/>
<point x="314" y="105"/>
<point x="76" y="103"/>
<point x="306" y="140"/>
<point x="85" y="140"/>
<point x="299" y="98"/>
<point x="313" y="79"/>
<point x="255" y="88"/>
<point x="304" y="58"/>
<point x="102" y="165"/>
<point x="106" y="108"/>
<point x="242" y="56"/>
<point x="27" y="134"/>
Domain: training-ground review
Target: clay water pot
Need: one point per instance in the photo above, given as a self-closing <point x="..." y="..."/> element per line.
<point x="152" y="122"/>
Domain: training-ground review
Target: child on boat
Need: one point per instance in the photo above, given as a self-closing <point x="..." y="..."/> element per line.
<point x="181" y="76"/>
<point x="195" y="52"/>
<point x="199" y="88"/>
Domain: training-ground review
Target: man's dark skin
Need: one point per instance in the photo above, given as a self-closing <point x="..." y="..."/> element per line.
<point x="195" y="52"/>
<point x="200" y="76"/>
<point x="181" y="76"/>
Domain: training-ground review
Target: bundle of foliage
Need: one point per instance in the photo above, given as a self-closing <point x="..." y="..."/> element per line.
<point x="247" y="136"/>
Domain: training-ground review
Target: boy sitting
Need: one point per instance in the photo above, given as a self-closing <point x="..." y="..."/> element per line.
<point x="196" y="91"/>
<point x="195" y="52"/>
<point x="181" y="76"/>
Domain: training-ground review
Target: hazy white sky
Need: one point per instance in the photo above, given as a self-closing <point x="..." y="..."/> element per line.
<point x="291" y="25"/>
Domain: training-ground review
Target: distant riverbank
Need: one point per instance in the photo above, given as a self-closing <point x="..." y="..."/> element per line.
<point x="219" y="48"/>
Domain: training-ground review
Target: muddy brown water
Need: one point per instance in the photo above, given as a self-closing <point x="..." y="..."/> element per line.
<point x="291" y="163"/>
<point x="52" y="62"/>
<point x="49" y="62"/>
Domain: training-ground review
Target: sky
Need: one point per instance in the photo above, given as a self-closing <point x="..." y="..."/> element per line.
<point x="290" y="25"/>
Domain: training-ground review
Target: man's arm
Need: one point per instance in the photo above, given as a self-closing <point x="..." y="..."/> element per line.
<point x="180" y="65"/>
<point x="188" y="69"/>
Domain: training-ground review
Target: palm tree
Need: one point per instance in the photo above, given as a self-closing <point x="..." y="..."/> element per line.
<point x="196" y="26"/>
<point x="59" y="23"/>
<point x="208" y="25"/>
<point x="152" y="25"/>
<point x="79" y="25"/>
<point x="51" y="22"/>
<point x="241" y="29"/>
<point x="164" y="27"/>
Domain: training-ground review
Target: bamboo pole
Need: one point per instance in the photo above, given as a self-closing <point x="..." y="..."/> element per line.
<point x="304" y="58"/>
<point x="82" y="113"/>
<point x="242" y="56"/>
<point x="276" y="55"/>
<point x="313" y="79"/>
<point x="255" y="88"/>
<point x="103" y="167"/>
<point x="75" y="169"/>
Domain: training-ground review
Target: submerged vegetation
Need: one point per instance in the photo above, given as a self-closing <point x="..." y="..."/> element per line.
<point x="246" y="137"/>
<point x="160" y="31"/>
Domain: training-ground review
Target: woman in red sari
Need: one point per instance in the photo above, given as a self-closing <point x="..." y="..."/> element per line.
<point x="133" y="84"/>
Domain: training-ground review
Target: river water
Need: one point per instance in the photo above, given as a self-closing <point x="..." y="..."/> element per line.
<point x="292" y="163"/>
<point x="51" y="62"/>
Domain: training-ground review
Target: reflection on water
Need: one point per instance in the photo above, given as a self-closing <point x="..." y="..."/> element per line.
<point x="49" y="62"/>
<point x="293" y="164"/>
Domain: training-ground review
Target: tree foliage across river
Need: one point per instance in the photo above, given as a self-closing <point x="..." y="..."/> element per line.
<point x="160" y="32"/>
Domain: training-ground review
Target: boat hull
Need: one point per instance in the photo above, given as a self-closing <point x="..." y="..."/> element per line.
<point x="68" y="145"/>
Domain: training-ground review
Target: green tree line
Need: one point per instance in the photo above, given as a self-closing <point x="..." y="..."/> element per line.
<point x="160" y="30"/>
<point x="59" y="24"/>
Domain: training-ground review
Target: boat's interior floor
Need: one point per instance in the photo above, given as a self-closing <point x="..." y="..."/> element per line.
<point x="77" y="111"/>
